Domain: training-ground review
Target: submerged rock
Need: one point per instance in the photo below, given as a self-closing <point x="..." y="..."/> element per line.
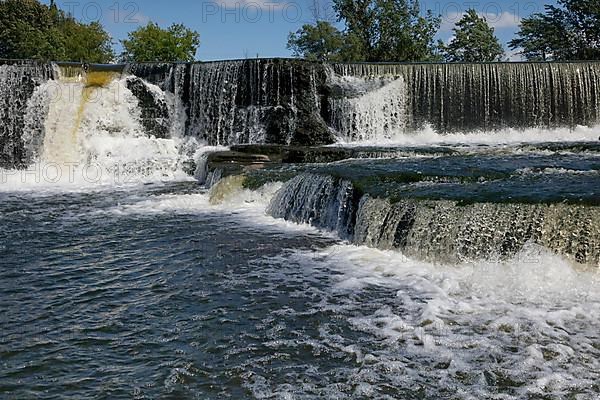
<point x="439" y="230"/>
<point x="226" y="188"/>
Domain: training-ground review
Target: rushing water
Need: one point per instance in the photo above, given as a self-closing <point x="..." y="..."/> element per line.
<point x="122" y="277"/>
<point x="151" y="292"/>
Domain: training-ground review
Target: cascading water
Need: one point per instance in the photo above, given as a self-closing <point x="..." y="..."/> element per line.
<point x="246" y="101"/>
<point x="368" y="108"/>
<point x="66" y="113"/>
<point x="91" y="120"/>
<point x="241" y="102"/>
<point x="279" y="101"/>
<point x="323" y="201"/>
<point x="444" y="231"/>
<point x="482" y="97"/>
<point x="18" y="82"/>
<point x="114" y="119"/>
<point x="439" y="230"/>
<point x="301" y="103"/>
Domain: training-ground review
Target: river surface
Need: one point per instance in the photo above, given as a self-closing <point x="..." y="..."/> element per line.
<point x="149" y="292"/>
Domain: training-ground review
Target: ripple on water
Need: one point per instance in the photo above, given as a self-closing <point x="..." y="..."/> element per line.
<point x="159" y="294"/>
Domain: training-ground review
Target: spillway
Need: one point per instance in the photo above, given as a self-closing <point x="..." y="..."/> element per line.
<point x="278" y="101"/>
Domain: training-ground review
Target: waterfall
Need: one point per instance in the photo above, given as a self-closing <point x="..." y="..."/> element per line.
<point x="246" y="101"/>
<point x="68" y="109"/>
<point x="18" y="82"/>
<point x="103" y="118"/>
<point x="439" y="230"/>
<point x="368" y="108"/>
<point x="212" y="103"/>
<point x="130" y="119"/>
<point x="448" y="232"/>
<point x="240" y="102"/>
<point x="322" y="201"/>
<point x="276" y="101"/>
<point x="483" y="97"/>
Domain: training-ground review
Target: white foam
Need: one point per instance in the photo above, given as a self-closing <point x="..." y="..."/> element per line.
<point x="95" y="143"/>
<point x="532" y="320"/>
<point x="248" y="206"/>
<point x="556" y="171"/>
<point x="201" y="159"/>
<point x="375" y="114"/>
<point x="429" y="136"/>
<point x="41" y="178"/>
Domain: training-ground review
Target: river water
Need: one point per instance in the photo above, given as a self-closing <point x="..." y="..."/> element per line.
<point x="148" y="291"/>
<point x="120" y="278"/>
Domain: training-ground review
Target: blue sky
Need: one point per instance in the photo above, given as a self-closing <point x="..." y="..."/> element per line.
<point x="232" y="29"/>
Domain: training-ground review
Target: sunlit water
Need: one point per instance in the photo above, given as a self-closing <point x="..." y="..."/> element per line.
<point x="151" y="292"/>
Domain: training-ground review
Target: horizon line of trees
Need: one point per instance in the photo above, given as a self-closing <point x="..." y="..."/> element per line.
<point x="32" y="30"/>
<point x="397" y="31"/>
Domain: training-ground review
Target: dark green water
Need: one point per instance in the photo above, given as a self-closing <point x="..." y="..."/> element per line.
<point x="535" y="173"/>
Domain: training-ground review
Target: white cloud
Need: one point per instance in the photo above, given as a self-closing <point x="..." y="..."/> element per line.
<point x="140" y="18"/>
<point x="449" y="20"/>
<point x="515" y="55"/>
<point x="256" y="4"/>
<point x="503" y="20"/>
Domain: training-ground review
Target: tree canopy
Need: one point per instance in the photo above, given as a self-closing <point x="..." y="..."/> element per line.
<point x="153" y="43"/>
<point x="29" y="29"/>
<point x="319" y="42"/>
<point x="569" y="31"/>
<point x="32" y="30"/>
<point x="376" y="30"/>
<point x="389" y="30"/>
<point x="474" y="41"/>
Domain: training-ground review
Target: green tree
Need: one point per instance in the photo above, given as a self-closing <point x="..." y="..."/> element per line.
<point x="403" y="34"/>
<point x="89" y="43"/>
<point x="569" y="31"/>
<point x="25" y="31"/>
<point x="152" y="43"/>
<point x="29" y="29"/>
<point x="319" y="42"/>
<point x="360" y="18"/>
<point x="474" y="41"/>
<point x="389" y="30"/>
